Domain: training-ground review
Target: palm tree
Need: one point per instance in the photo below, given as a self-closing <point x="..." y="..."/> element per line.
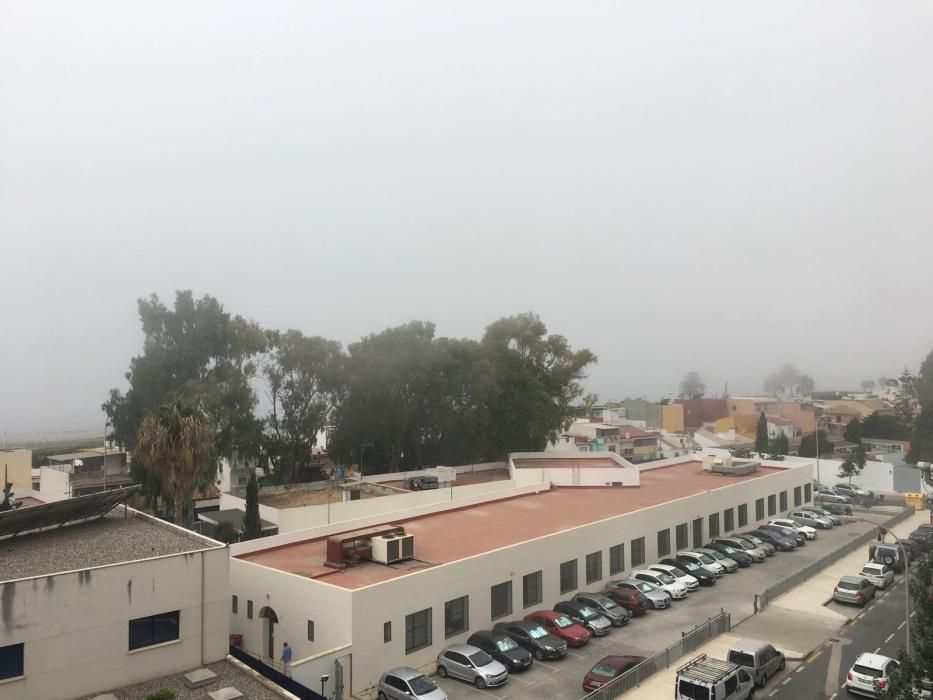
<point x="175" y="443"/>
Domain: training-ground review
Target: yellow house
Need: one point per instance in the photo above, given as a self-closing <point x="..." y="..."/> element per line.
<point x="18" y="467"/>
<point x="672" y="418"/>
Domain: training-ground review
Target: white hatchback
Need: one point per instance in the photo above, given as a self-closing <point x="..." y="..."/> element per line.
<point x="869" y="674"/>
<point x="806" y="530"/>
<point x="666" y="582"/>
<point x="878" y="574"/>
<point x="689" y="581"/>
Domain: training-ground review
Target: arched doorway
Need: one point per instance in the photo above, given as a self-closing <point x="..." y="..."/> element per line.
<point x="269" y="620"/>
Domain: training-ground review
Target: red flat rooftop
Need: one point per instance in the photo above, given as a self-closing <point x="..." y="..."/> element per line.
<point x="439" y="537"/>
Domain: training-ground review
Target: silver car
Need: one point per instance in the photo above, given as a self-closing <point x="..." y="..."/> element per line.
<point x="727" y="563"/>
<point x="830" y="496"/>
<point x="854" y="589"/>
<point x="404" y="683"/>
<point x="767" y="547"/>
<point x="704" y="560"/>
<point x="806" y="517"/>
<point x="879" y="574"/>
<point x="469" y="663"/>
<point x="756" y="553"/>
<point x="823" y="513"/>
<point x="659" y="599"/>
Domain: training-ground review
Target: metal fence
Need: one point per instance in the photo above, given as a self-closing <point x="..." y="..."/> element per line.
<point x="689" y="641"/>
<point x="274" y="675"/>
<point x="784" y="585"/>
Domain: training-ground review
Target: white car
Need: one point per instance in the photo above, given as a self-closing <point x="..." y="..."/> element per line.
<point x="665" y="582"/>
<point x="689" y="581"/>
<point x="704" y="560"/>
<point x="878" y="574"/>
<point x="806" y="530"/>
<point x="869" y="674"/>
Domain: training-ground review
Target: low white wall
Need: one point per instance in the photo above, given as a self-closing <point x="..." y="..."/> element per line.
<point x="54" y="485"/>
<point x="382" y="507"/>
<point x="877" y="476"/>
<point x="432" y="506"/>
<point x="576" y="472"/>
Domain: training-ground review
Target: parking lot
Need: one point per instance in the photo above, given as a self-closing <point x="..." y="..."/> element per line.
<point x="646" y="635"/>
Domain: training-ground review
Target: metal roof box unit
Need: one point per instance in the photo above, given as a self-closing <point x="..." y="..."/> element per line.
<point x="392" y="548"/>
<point x="729" y="466"/>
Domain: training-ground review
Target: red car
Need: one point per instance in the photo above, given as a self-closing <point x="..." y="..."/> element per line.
<point x="561" y="626"/>
<point x="608" y="668"/>
<point x="630" y="599"/>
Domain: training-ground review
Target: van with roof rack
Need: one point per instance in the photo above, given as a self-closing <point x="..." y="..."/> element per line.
<point x="703" y="678"/>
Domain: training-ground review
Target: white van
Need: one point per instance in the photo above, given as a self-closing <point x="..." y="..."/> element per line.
<point x="704" y="678"/>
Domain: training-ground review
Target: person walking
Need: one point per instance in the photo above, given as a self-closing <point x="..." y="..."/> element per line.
<point x="287" y="659"/>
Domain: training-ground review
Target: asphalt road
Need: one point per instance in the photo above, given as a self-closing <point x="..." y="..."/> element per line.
<point x="879" y="628"/>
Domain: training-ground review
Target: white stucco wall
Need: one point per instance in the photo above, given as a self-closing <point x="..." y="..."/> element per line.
<point x="75" y="626"/>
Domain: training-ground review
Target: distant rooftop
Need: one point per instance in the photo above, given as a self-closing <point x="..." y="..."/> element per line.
<point x="495" y="524"/>
<point x="465" y="478"/>
<point x="318" y="493"/>
<point x="85" y="454"/>
<point x="111" y="539"/>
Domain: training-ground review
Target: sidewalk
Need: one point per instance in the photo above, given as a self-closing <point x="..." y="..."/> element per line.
<point x="796" y="623"/>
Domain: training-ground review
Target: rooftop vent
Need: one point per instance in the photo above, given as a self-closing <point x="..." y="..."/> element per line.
<point x="392" y="548"/>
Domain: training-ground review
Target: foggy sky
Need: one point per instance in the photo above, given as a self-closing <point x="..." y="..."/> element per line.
<point x="709" y="186"/>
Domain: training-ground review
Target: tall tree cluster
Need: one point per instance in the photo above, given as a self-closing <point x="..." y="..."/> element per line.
<point x="398" y="399"/>
<point x="921" y="443"/>
<point x="789" y="380"/>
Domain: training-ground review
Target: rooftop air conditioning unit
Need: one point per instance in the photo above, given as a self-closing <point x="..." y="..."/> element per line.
<point x="389" y="549"/>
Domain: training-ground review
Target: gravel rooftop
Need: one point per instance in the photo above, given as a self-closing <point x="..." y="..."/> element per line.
<point x="108" y="540"/>
<point x="228" y="675"/>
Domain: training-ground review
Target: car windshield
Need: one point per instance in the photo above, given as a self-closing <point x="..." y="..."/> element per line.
<point x="740" y="658"/>
<point x="867" y="671"/>
<point x="665" y="578"/>
<point x="645" y="587"/>
<point x="480" y="658"/>
<point x="848" y="585"/>
<point x="705" y="558"/>
<point x="715" y="555"/>
<point x="690" y="566"/>
<point x="562" y="621"/>
<point x="602" y="669"/>
<point x="506" y="644"/>
<point x="678" y="572"/>
<point x="421" y="685"/>
<point x="754" y="539"/>
<point x="607" y="603"/>
<point x="869" y="571"/>
<point x="537" y="632"/>
<point x="587" y="613"/>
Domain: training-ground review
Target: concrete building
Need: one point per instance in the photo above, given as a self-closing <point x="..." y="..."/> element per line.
<point x="698" y="412"/>
<point x="638" y="445"/>
<point x="672" y="418"/>
<point x="565" y="522"/>
<point x="17" y="465"/>
<point x="91" y="471"/>
<point x="107" y="601"/>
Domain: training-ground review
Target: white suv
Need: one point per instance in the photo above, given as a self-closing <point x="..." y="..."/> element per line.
<point x="869" y="674"/>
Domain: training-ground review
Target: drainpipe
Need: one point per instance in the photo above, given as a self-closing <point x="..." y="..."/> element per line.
<point x="202" y="607"/>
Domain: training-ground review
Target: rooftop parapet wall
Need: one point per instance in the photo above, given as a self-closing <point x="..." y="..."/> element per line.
<point x="573" y="469"/>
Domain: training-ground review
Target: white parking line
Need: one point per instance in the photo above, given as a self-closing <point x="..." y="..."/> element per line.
<point x="575" y="654"/>
<point x="877" y="650"/>
<point x="787" y="680"/>
<point x="772" y="693"/>
<point x="890" y="636"/>
<point x="801" y="668"/>
<point x="913" y="613"/>
<point x="833" y="696"/>
<point x="901" y="625"/>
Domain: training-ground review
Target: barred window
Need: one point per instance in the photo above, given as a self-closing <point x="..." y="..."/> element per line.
<point x="664" y="542"/>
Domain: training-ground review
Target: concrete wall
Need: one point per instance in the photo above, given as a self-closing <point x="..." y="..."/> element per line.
<point x="17" y="464"/>
<point x="877" y="476"/>
<point x="53" y="485"/>
<point x="672" y="418"/>
<point x="392" y="600"/>
<point x="75" y="626"/>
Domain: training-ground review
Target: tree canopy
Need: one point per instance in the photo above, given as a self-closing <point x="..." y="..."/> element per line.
<point x="921" y="443"/>
<point x="761" y="434"/>
<point x="692" y="386"/>
<point x="398" y="399"/>
<point x="808" y="445"/>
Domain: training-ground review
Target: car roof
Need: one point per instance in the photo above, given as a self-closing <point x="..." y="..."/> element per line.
<point x="405" y="672"/>
<point x="573" y="603"/>
<point x="645" y="571"/>
<point x="749" y="646"/>
<point x="853" y="579"/>
<point x="548" y="614"/>
<point x="667" y="568"/>
<point x="461" y="649"/>
<point x="873" y="660"/>
<point x="618" y="661"/>
<point x="872" y="565"/>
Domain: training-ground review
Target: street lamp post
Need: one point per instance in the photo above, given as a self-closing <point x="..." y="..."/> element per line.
<point x="816" y="434"/>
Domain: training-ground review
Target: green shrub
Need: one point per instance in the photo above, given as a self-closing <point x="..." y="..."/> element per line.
<point x="163" y="694"/>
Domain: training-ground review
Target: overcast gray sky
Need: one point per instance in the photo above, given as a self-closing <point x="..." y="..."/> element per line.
<point x="709" y="186"/>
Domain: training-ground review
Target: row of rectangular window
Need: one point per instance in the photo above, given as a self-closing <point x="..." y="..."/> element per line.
<point x="456" y="611"/>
